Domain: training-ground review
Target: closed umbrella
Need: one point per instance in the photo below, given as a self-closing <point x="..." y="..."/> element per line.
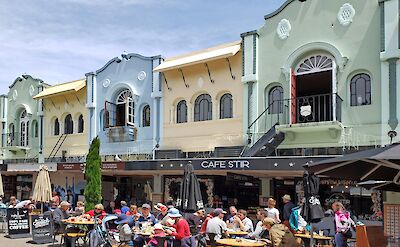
<point x="189" y="199"/>
<point x="1" y="186"/>
<point x="42" y="190"/>
<point x="312" y="211"/>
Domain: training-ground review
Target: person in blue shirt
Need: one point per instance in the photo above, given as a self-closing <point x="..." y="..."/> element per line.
<point x="124" y="207"/>
<point x="2" y="205"/>
<point x="146" y="216"/>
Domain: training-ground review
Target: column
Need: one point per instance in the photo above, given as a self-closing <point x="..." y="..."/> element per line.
<point x="157" y="188"/>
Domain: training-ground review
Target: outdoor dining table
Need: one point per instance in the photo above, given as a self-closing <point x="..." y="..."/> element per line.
<point x="237" y="233"/>
<point x="78" y="224"/>
<point x="240" y="242"/>
<point x="316" y="237"/>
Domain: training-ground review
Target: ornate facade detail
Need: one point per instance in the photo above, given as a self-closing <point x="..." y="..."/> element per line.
<point x="283" y="29"/>
<point x="346" y="14"/>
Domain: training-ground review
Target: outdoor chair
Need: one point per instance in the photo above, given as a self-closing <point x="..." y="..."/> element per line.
<point x="212" y="241"/>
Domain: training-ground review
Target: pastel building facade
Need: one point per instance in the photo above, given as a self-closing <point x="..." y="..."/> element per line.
<point x="124" y="102"/>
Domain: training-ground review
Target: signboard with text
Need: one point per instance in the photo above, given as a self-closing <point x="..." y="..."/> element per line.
<point x="41" y="229"/>
<point x="18" y="223"/>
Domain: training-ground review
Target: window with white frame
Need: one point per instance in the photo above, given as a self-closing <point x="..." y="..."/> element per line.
<point x="24" y="128"/>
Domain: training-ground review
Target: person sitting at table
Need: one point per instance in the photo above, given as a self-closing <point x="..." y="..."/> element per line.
<point x="297" y="222"/>
<point x="195" y="220"/>
<point x="216" y="226"/>
<point x="2" y="205"/>
<point x="13" y="202"/>
<point x="146" y="216"/>
<point x="229" y="217"/>
<point x="124" y="207"/>
<point x="181" y="226"/>
<point x="279" y="234"/>
<point x="272" y="212"/>
<point x="163" y="211"/>
<point x="124" y="226"/>
<point x="204" y="225"/>
<point x="80" y="207"/>
<point x="157" y="232"/>
<point x="60" y="214"/>
<point x="259" y="232"/>
<point x="133" y="211"/>
<point x="242" y="223"/>
<point x="98" y="212"/>
<point x="110" y="209"/>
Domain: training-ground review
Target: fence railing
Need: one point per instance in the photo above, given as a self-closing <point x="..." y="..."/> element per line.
<point x="18" y="139"/>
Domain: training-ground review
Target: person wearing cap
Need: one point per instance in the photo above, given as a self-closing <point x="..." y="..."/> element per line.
<point x="204" y="225"/>
<point x="242" y="223"/>
<point x="157" y="232"/>
<point x="181" y="226"/>
<point x="216" y="225"/>
<point x="287" y="209"/>
<point x="162" y="209"/>
<point x="279" y="234"/>
<point x="60" y="214"/>
<point x="146" y="216"/>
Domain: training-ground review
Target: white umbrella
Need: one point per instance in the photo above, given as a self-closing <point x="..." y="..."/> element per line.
<point x="42" y="190"/>
<point x="1" y="186"/>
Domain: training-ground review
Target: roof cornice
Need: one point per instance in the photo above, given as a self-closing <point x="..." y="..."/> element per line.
<point x="282" y="7"/>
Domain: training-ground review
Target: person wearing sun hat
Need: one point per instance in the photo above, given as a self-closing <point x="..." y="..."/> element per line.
<point x="181" y="225"/>
<point x="163" y="211"/>
<point x="158" y="232"/>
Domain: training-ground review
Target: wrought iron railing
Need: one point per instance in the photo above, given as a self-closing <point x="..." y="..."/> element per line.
<point x="18" y="139"/>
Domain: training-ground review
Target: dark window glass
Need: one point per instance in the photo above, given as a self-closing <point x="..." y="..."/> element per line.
<point x="146" y="116"/>
<point x="80" y="124"/>
<point x="203" y="108"/>
<point x="68" y="125"/>
<point x="226" y="106"/>
<point x="56" y="127"/>
<point x="35" y="128"/>
<point x="360" y="90"/>
<point x="275" y="100"/>
<point x="181" y="112"/>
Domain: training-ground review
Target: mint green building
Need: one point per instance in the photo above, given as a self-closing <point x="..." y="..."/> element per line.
<point x="321" y="77"/>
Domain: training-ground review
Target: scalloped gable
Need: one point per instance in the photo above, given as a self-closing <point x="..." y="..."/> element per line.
<point x="282" y="7"/>
<point x="118" y="60"/>
<point x="26" y="77"/>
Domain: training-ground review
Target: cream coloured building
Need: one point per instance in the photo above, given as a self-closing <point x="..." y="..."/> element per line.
<point x="203" y="100"/>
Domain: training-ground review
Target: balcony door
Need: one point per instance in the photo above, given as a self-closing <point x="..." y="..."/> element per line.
<point x="125" y="108"/>
<point x="313" y="90"/>
<point x="24" y="129"/>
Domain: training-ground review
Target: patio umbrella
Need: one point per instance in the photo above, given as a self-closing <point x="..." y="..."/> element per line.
<point x="42" y="190"/>
<point x="373" y="164"/>
<point x="1" y="186"/>
<point x="189" y="199"/>
<point x="312" y="211"/>
<point x="381" y="185"/>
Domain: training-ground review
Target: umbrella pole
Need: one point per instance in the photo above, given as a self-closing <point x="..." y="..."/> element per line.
<point x="42" y="207"/>
<point x="311" y="235"/>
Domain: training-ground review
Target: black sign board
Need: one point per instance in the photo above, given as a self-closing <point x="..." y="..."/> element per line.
<point x="41" y="229"/>
<point x="18" y="223"/>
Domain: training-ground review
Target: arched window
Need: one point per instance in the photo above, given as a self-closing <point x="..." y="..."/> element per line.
<point x="80" y="124"/>
<point x="313" y="64"/>
<point x="68" y="125"/>
<point x="275" y="100"/>
<point x="125" y="108"/>
<point x="226" y="106"/>
<point x="24" y="128"/>
<point x="35" y="129"/>
<point x="56" y="127"/>
<point x="360" y="90"/>
<point x="203" y="108"/>
<point x="146" y="116"/>
<point x="181" y="112"/>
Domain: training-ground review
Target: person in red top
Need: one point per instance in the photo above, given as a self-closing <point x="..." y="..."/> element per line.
<point x="181" y="226"/>
<point x="204" y="225"/>
<point x="98" y="211"/>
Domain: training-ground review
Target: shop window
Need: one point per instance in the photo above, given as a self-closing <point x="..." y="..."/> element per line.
<point x="181" y="112"/>
<point x="68" y="125"/>
<point x="275" y="100"/>
<point x="80" y="124"/>
<point x="226" y="106"/>
<point x="203" y="108"/>
<point x="360" y="90"/>
<point x="56" y="127"/>
<point x="146" y="116"/>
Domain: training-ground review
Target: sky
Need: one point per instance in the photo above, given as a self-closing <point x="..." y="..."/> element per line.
<point x="61" y="40"/>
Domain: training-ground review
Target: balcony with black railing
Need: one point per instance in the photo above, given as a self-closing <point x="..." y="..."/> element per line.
<point x="19" y="141"/>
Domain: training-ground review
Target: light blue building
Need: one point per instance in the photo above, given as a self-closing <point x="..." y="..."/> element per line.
<point x="124" y="101"/>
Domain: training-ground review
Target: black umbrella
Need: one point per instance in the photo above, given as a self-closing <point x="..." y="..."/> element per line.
<point x="189" y="199"/>
<point x="312" y="210"/>
<point x="373" y="164"/>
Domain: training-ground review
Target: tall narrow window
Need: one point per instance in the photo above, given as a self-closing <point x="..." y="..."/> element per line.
<point x="360" y="90"/>
<point x="68" y="125"/>
<point x="56" y="127"/>
<point x="226" y="106"/>
<point x="35" y="129"/>
<point x="80" y="124"/>
<point x="146" y="116"/>
<point x="11" y="135"/>
<point x="125" y="108"/>
<point x="203" y="108"/>
<point x="181" y="112"/>
<point x="275" y="100"/>
<point x="24" y="128"/>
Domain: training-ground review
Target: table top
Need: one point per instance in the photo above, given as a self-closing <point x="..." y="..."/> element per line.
<point x="88" y="222"/>
<point x="316" y="236"/>
<point x="242" y="243"/>
<point x="237" y="233"/>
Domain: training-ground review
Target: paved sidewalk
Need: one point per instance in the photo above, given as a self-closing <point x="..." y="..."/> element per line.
<point x="6" y="242"/>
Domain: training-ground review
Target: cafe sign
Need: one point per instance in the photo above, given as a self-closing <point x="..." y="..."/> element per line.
<point x="225" y="164"/>
<point x="18" y="223"/>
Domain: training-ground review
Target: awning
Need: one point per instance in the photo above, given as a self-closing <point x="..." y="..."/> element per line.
<point x="222" y="51"/>
<point x="63" y="88"/>
<point x="30" y="167"/>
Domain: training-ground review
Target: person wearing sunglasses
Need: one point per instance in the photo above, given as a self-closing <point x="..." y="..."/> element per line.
<point x="98" y="212"/>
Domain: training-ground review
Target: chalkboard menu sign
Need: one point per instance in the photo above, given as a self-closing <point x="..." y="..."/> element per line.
<point x="18" y="223"/>
<point x="41" y="229"/>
